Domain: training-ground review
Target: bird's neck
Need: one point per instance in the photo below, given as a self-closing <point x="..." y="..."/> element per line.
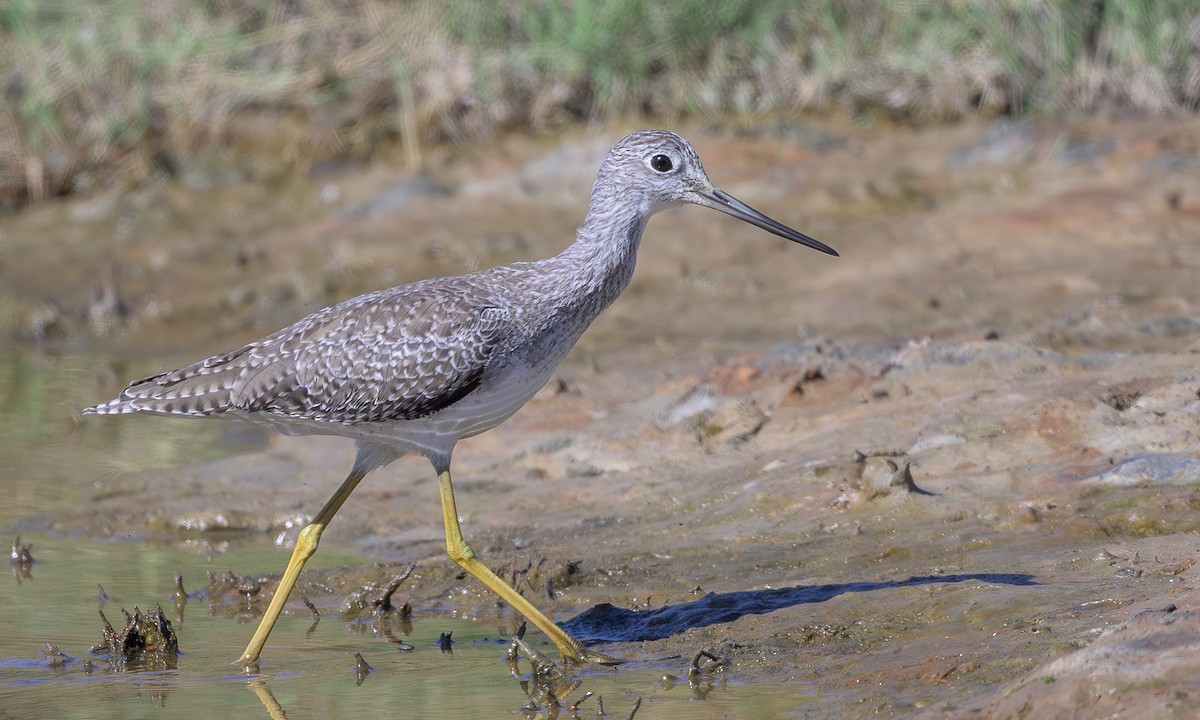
<point x="604" y="253"/>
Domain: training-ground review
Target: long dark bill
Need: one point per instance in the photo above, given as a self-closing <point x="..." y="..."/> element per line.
<point x="728" y="204"/>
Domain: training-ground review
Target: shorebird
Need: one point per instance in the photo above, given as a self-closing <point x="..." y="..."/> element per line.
<point x="416" y="368"/>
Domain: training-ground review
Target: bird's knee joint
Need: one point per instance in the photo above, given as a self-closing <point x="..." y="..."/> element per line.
<point x="309" y="538"/>
<point x="460" y="553"/>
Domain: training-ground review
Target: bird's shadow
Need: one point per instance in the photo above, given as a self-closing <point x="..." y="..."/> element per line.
<point x="608" y="623"/>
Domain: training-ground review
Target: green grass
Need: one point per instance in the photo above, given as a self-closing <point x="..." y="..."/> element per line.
<point x="102" y="86"/>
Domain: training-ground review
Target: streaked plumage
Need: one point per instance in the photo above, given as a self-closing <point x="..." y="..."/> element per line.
<point x="417" y="367"/>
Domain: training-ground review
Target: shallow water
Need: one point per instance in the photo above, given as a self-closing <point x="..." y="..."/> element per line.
<point x="312" y="668"/>
<point x="51" y="466"/>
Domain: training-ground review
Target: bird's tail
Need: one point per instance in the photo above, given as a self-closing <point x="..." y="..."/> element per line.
<point x="202" y="388"/>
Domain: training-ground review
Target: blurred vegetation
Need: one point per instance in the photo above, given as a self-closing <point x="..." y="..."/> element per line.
<point x="97" y="90"/>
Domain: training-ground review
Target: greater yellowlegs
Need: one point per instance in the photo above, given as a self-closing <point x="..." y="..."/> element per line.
<point x="416" y="368"/>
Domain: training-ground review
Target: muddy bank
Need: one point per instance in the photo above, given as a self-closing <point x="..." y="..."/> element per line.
<point x="954" y="471"/>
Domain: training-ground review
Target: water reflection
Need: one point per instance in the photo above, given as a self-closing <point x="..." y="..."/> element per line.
<point x="546" y="687"/>
<point x="48" y="465"/>
<point x="21" y="560"/>
<point x="262" y="690"/>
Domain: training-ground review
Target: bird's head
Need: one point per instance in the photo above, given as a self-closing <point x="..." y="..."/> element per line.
<point x="661" y="170"/>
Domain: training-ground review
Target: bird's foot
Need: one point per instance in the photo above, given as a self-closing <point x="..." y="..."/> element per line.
<point x="583" y="656"/>
<point x="249" y="667"/>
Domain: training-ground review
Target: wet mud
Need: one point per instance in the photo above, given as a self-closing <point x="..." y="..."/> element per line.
<point x="953" y="473"/>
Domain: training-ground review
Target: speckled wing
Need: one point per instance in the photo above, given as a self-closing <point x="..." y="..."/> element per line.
<point x="392" y="355"/>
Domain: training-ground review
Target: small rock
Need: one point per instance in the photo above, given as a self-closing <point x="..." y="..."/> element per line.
<point x="881" y="475"/>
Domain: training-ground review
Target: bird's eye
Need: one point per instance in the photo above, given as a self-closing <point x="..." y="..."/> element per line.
<point x="661" y="163"/>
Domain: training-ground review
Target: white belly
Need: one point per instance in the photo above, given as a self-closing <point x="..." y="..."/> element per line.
<point x="493" y="402"/>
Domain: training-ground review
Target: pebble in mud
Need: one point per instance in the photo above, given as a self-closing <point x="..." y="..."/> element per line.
<point x="876" y="475"/>
<point x="879" y="475"/>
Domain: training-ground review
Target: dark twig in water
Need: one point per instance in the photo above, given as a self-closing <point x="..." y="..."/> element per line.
<point x="636" y="704"/>
<point x="514" y="647"/>
<point x="361" y="669"/>
<point x="54" y="656"/>
<point x="540" y="662"/>
<point x="100" y="594"/>
<point x="384" y="601"/>
<point x="575" y="705"/>
<point x="445" y="642"/>
<point x="700" y="678"/>
<point x="108" y="628"/>
<point x="694" y="669"/>
<point x="180" y="599"/>
<point x="544" y="674"/>
<point x="531" y="707"/>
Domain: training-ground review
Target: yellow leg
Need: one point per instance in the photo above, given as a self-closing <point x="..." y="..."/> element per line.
<point x="306" y="545"/>
<point x="462" y="554"/>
